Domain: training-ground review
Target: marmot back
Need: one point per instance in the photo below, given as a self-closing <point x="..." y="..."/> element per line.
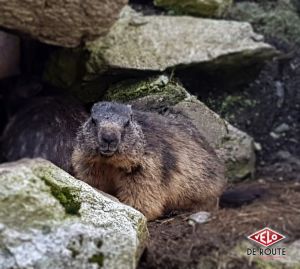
<point x="150" y="162"/>
<point x="45" y="127"/>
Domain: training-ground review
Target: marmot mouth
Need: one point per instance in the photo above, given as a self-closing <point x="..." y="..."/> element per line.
<point x="107" y="153"/>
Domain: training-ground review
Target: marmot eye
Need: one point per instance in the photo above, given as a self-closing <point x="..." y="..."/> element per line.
<point x="94" y="121"/>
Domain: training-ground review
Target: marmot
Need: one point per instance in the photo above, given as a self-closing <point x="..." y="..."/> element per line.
<point x="147" y="161"/>
<point x="44" y="127"/>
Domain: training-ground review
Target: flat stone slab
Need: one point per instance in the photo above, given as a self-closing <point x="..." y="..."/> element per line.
<point x="159" y="42"/>
<point x="48" y="219"/>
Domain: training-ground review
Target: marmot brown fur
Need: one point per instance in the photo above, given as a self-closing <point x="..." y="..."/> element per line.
<point x="147" y="161"/>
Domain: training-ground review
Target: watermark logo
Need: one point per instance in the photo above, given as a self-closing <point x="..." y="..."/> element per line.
<point x="266" y="237"/>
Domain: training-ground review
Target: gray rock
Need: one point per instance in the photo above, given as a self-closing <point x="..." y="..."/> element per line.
<point x="48" y="219"/>
<point x="65" y="23"/>
<point x="199" y="217"/>
<point x="205" y="8"/>
<point x="167" y="97"/>
<point x="160" y="42"/>
<point x="9" y="55"/>
<point x="235" y="147"/>
<point x="274" y="135"/>
<point x="283" y="127"/>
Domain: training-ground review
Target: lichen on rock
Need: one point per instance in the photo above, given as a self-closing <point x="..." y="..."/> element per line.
<point x="161" y="86"/>
<point x="205" y="8"/>
<point x="138" y="44"/>
<point x="48" y="219"/>
<point x="157" y="43"/>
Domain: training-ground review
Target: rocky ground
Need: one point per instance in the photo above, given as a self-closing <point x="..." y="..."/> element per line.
<point x="175" y="242"/>
<point x="261" y="98"/>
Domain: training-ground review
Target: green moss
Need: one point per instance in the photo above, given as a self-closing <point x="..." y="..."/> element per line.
<point x="265" y="264"/>
<point x="230" y="105"/>
<point x="66" y="196"/>
<point x="197" y="8"/>
<point x="98" y="259"/>
<point x="132" y="89"/>
<point x="74" y="253"/>
<point x="238" y="170"/>
<point x="273" y="19"/>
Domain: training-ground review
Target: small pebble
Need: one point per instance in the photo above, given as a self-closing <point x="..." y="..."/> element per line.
<point x="282" y="128"/>
<point x="274" y="135"/>
<point x="257" y="146"/>
<point x="199" y="217"/>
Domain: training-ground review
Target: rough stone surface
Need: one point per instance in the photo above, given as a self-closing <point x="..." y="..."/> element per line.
<point x="199" y="217"/>
<point x="65" y="22"/>
<point x="48" y="219"/>
<point x="9" y="54"/>
<point x="169" y="98"/>
<point x="206" y="8"/>
<point x="231" y="144"/>
<point x="160" y="42"/>
<point x="276" y="19"/>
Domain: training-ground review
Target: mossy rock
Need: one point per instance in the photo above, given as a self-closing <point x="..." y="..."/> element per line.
<point x="164" y="88"/>
<point x="48" y="219"/>
<point x="202" y="8"/>
<point x="275" y="19"/>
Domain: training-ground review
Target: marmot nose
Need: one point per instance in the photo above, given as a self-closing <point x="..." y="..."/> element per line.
<point x="110" y="139"/>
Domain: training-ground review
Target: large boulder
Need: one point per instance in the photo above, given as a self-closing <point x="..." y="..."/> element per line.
<point x="9" y="55"/>
<point x="48" y="219"/>
<point x="169" y="98"/>
<point x="205" y="8"/>
<point x="65" y="23"/>
<point x="157" y="43"/>
<point x="139" y="43"/>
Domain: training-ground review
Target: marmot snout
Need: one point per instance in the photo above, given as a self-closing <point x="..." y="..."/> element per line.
<point x="112" y="124"/>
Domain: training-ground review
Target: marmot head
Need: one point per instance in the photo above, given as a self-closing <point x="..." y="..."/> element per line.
<point x="112" y="130"/>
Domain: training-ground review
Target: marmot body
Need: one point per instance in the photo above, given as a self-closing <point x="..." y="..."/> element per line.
<point x="45" y="127"/>
<point x="147" y="161"/>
